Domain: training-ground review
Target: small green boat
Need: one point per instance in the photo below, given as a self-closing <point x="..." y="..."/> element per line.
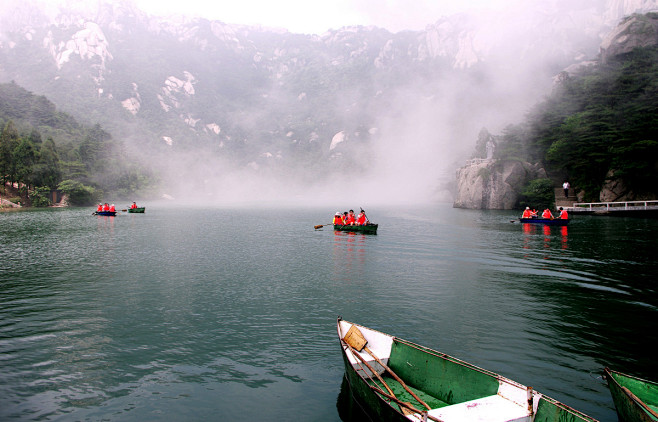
<point x="397" y="380"/>
<point x="139" y="210"/>
<point x="366" y="228"/>
<point x="636" y="399"/>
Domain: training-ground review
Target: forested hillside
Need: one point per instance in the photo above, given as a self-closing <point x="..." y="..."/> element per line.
<point x="43" y="150"/>
<point x="597" y="128"/>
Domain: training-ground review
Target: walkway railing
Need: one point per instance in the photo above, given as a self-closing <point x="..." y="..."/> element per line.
<point x="616" y="206"/>
<point x="475" y="161"/>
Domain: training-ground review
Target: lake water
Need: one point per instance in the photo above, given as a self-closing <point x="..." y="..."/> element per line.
<point x="230" y="314"/>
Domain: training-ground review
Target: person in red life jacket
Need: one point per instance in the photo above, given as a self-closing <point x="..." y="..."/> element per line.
<point x="112" y="208"/>
<point x="547" y="214"/>
<point x="534" y="213"/>
<point x="527" y="213"/>
<point x="100" y="207"/>
<point x="351" y="219"/>
<point x="338" y="219"/>
<point x="106" y="207"/>
<point x="361" y="219"/>
<point x="133" y="206"/>
<point x="563" y="214"/>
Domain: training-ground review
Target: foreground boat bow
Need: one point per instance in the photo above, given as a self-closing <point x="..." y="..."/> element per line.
<point x="395" y="378"/>
<point x="636" y="399"/>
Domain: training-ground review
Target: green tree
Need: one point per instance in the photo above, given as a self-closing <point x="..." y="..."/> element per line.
<point x="25" y="156"/>
<point x="47" y="170"/>
<point x="40" y="197"/>
<point x="538" y="194"/>
<point x="78" y="193"/>
<point x="8" y="143"/>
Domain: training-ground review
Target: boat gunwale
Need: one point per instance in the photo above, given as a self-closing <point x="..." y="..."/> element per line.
<point x="628" y="393"/>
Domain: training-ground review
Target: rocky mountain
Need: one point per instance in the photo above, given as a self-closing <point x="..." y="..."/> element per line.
<point x="220" y="105"/>
<point x="625" y="73"/>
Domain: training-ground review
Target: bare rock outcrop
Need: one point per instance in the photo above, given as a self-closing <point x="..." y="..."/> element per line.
<point x="493" y="184"/>
<point x="635" y="31"/>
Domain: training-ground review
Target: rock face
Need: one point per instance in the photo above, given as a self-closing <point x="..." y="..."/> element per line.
<point x="635" y="31"/>
<point x="493" y="184"/>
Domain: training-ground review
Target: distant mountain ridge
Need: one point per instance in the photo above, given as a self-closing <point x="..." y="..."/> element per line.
<point x="276" y="104"/>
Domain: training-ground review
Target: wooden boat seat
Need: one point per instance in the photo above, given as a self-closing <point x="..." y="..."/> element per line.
<point x="493" y="408"/>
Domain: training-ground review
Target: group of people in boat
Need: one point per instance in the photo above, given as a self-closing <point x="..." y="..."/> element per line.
<point x="350" y="219"/>
<point x="105" y="207"/>
<point x="111" y="208"/>
<point x="547" y="214"/>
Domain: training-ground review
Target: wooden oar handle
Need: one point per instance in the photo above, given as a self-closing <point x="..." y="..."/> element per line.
<point x="371" y="369"/>
<point x="407" y="405"/>
<point x="398" y="379"/>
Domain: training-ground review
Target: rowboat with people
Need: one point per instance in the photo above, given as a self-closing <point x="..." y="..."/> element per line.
<point x="350" y="222"/>
<point x="545" y="221"/>
<point x="106" y="213"/>
<point x="138" y="210"/>
<point x="635" y="399"/>
<point x="397" y="380"/>
<point x="366" y="228"/>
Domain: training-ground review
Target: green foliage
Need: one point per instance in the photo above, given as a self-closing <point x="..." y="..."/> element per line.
<point x="78" y="193"/>
<point x="40" y="197"/>
<point x="606" y="119"/>
<point x="87" y="156"/>
<point x="538" y="194"/>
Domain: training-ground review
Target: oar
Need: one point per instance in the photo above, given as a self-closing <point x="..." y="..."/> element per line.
<point x="355" y="339"/>
<point x="320" y="226"/>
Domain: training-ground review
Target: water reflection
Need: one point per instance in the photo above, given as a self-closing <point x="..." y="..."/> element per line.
<point x="349" y="253"/>
<point x="348" y="408"/>
<point x="549" y="236"/>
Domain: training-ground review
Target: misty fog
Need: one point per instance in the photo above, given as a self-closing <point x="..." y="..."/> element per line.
<point x="403" y="139"/>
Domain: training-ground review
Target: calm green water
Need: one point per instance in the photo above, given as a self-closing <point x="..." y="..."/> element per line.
<point x="229" y="314"/>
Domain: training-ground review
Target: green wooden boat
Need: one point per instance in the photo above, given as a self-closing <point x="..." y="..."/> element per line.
<point x="367" y="228"/>
<point x="397" y="380"/>
<point x="139" y="210"/>
<point x="636" y="399"/>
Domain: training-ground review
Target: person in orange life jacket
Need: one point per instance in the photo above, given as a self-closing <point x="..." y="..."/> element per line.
<point x="133" y="206"/>
<point x="563" y="214"/>
<point x="534" y="214"/>
<point x="106" y="207"/>
<point x="100" y="208"/>
<point x="527" y="213"/>
<point x="361" y="219"/>
<point x="112" y="209"/>
<point x="547" y="214"/>
<point x="351" y="220"/>
<point x="338" y="219"/>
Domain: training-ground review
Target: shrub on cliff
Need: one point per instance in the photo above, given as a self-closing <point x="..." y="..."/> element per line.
<point x="78" y="193"/>
<point x="538" y="194"/>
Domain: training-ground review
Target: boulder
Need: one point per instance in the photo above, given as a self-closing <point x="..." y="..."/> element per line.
<point x="635" y="31"/>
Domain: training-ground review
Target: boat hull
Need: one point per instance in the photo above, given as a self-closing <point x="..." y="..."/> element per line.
<point x="106" y="213"/>
<point x="139" y="210"/>
<point x="545" y="221"/>
<point x="636" y="400"/>
<point x="368" y="228"/>
<point x="454" y="390"/>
